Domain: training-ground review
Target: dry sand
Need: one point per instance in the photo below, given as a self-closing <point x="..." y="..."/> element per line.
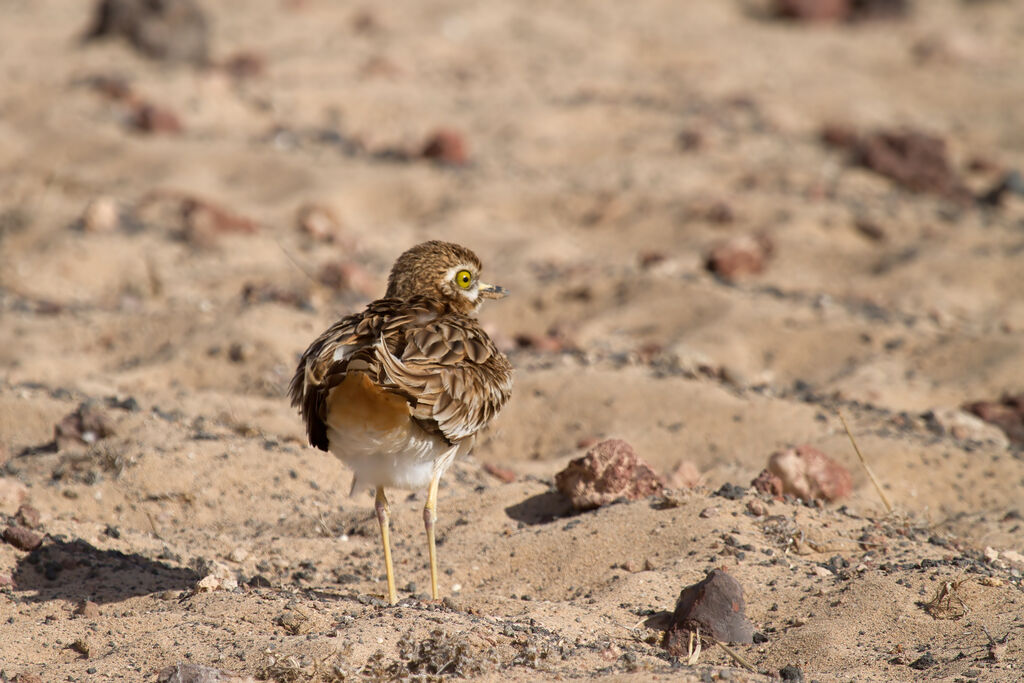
<point x="610" y="147"/>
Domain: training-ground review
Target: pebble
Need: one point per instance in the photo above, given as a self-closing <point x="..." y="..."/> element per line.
<point x="740" y="256"/>
<point x="446" y="146"/>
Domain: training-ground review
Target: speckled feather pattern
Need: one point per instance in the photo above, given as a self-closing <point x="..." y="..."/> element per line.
<point x="420" y="342"/>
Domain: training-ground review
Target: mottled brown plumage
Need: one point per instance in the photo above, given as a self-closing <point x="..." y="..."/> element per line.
<point x="400" y="388"/>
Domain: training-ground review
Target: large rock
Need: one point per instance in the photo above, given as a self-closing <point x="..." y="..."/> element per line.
<point x="804" y="472"/>
<point x="609" y="471"/>
<point x="715" y="607"/>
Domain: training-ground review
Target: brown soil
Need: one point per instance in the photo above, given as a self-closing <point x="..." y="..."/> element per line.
<point x="603" y="150"/>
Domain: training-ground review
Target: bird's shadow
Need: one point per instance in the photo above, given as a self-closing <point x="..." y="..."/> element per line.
<point x="542" y="508"/>
<point x="76" y="570"/>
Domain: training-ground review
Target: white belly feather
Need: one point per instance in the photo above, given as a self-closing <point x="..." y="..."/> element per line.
<point x="371" y="431"/>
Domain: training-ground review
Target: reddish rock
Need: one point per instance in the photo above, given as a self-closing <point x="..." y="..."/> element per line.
<point x="1007" y="414"/>
<point x="28" y="516"/>
<point x="503" y="473"/>
<point x="609" y="471"/>
<point x="22" y="538"/>
<point x="740" y="256"/>
<point x="86" y="425"/>
<point x="804" y="472"/>
<point x="204" y="222"/>
<point x="813" y="10"/>
<point x="839" y="135"/>
<point x="913" y="159"/>
<point x="245" y="64"/>
<point x="446" y="146"/>
<point x="88" y="609"/>
<point x="716" y="607"/>
<point x="151" y="118"/>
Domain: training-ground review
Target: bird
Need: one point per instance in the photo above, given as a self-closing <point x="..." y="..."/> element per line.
<point x="400" y="389"/>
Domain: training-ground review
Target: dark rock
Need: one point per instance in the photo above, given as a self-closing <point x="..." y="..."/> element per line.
<point x="791" y="672"/>
<point x="740" y="256"/>
<point x="168" y="30"/>
<point x="716" y="607"/>
<point x="730" y="491"/>
<point x="446" y="146"/>
<point x="913" y="159"/>
<point x="86" y="425"/>
<point x="22" y="538"/>
<point x="609" y="471"/>
<point x="923" y="662"/>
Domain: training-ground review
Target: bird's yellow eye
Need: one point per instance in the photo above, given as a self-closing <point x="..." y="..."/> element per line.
<point x="464" y="278"/>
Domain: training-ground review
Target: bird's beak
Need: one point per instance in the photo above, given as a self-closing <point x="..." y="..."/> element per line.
<point x="492" y="291"/>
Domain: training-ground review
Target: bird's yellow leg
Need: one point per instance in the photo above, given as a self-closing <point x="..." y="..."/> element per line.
<point x="384" y="519"/>
<point x="429" y="517"/>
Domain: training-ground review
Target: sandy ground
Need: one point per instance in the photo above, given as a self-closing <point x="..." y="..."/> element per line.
<point x="610" y="148"/>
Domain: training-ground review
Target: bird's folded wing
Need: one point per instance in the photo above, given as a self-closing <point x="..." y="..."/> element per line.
<point x="456" y="379"/>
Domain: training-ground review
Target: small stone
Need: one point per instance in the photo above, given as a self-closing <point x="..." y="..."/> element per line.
<point x="813" y="10"/>
<point x="501" y="473"/>
<point x="609" y="471"/>
<point x="88" y="609"/>
<point x="804" y="472"/>
<point x="238" y="555"/>
<point x="684" y="476"/>
<point x="86" y="425"/>
<point x="756" y="508"/>
<point x="446" y="146"/>
<point x="716" y="607"/>
<point x="740" y="256"/>
<point x="318" y="222"/>
<point x="12" y="495"/>
<point x="101" y="215"/>
<point x="791" y="672"/>
<point x="151" y="118"/>
<point x="708" y="513"/>
<point x="925" y="661"/>
<point x="81" y="646"/>
<point x="22" y="538"/>
<point x="218" y="577"/>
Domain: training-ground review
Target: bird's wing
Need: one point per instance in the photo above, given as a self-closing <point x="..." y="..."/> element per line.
<point x="457" y="380"/>
<point x="447" y="368"/>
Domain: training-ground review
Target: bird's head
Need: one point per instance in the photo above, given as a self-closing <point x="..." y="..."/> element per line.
<point x="445" y="271"/>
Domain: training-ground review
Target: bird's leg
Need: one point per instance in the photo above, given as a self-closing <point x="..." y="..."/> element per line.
<point x="384" y="519"/>
<point x="429" y="517"/>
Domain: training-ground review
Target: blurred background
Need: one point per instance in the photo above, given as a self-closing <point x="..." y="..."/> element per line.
<point x="720" y="221"/>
